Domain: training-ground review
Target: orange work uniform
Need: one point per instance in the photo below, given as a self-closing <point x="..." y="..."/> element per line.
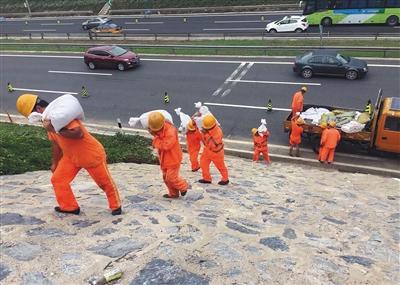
<point x="87" y="153"/>
<point x="213" y="152"/>
<point x="329" y="141"/>
<point x="166" y="141"/>
<point x="297" y="102"/>
<point x="295" y="133"/>
<point x="193" y="143"/>
<point x="261" y="146"/>
<point x="320" y="147"/>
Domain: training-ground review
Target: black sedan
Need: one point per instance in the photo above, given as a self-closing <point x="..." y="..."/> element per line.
<point x="329" y="62"/>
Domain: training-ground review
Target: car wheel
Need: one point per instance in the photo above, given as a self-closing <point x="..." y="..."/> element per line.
<point x="392" y="21"/>
<point x="298" y="30"/>
<point x="351" y="75"/>
<point x="272" y="31"/>
<point x="326" y="21"/>
<point x="121" y="66"/>
<point x="306" y="73"/>
<point x="91" y="65"/>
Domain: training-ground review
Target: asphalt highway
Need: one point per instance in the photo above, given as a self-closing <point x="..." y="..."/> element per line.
<point x="228" y="24"/>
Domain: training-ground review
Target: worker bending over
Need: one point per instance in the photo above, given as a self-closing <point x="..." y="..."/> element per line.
<point x="73" y="148"/>
<point x="260" y="143"/>
<point x="213" y="151"/>
<point x="329" y="140"/>
<point x="166" y="142"/>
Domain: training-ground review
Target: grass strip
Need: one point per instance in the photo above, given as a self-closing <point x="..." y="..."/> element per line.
<point x="26" y="148"/>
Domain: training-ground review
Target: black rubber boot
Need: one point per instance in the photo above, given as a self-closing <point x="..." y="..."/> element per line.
<point x="169" y="197"/>
<point x="223" y="182"/>
<point x="204" y="181"/>
<point x="116" y="212"/>
<point x="73" y="212"/>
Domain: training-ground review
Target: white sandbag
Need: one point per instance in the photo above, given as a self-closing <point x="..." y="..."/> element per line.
<point x="352" y="127"/>
<point x="185" y="119"/>
<point x="60" y="112"/>
<point x="144" y="118"/>
<point x="314" y="114"/>
<point x="203" y="111"/>
<point x="262" y="128"/>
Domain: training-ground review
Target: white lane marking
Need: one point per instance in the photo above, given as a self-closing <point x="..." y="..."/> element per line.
<point x="236" y="71"/>
<point x="39" y="30"/>
<point x="276" y="82"/>
<point x="246" y="106"/>
<point x="179" y="60"/>
<point x="234" y="29"/>
<point x="136" y="29"/>
<point x="226" y="22"/>
<point x="45" y="91"/>
<point x="244" y="71"/>
<point x="57" y="24"/>
<point x="75" y="72"/>
<point x="144" y="23"/>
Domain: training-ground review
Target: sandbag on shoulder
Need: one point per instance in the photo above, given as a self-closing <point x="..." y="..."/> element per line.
<point x="144" y="118"/>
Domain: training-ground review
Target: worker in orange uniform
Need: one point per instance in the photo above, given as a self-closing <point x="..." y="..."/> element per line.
<point x="73" y="148"/>
<point x="213" y="151"/>
<point x="260" y="143"/>
<point x="329" y="140"/>
<point x="193" y="143"/>
<point x="295" y="134"/>
<point x="166" y="142"/>
<point x="298" y="100"/>
<point x="323" y="127"/>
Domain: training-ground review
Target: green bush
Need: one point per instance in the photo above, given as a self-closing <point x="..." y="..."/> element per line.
<point x="26" y="148"/>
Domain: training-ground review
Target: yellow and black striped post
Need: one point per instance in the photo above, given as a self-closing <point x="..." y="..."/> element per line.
<point x="368" y="107"/>
<point x="166" y="98"/>
<point x="84" y="93"/>
<point x="269" y="106"/>
<point x="9" y="87"/>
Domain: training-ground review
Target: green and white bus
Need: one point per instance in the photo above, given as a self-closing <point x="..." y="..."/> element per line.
<point x="328" y="12"/>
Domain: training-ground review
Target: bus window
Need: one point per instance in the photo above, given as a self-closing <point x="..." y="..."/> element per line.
<point x="309" y="8"/>
<point x="358" y="4"/>
<point x="392" y="3"/>
<point x="323" y="4"/>
<point x="341" y="4"/>
<point x="375" y="3"/>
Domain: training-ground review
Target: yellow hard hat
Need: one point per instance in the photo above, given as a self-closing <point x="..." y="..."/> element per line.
<point x="26" y="103"/>
<point x="156" y="121"/>
<point x="323" y="125"/>
<point x="304" y="89"/>
<point x="190" y="126"/>
<point x="209" y="122"/>
<point x="300" y="121"/>
<point x="253" y="130"/>
<point x="332" y="124"/>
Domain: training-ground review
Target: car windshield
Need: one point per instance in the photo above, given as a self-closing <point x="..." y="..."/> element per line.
<point x="117" y="51"/>
<point x="343" y="58"/>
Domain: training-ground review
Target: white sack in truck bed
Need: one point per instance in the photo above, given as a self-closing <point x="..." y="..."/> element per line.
<point x="60" y="112"/>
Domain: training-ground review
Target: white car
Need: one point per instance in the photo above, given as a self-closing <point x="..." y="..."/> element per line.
<point x="296" y="24"/>
<point x="94" y="22"/>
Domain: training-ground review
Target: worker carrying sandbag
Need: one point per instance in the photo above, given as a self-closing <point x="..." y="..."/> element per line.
<point x="199" y="115"/>
<point x="295" y="134"/>
<point x="166" y="142"/>
<point x="74" y="148"/>
<point x="260" y="142"/>
<point x="329" y="140"/>
<point x="212" y="138"/>
<point x="144" y="119"/>
<point x="193" y="138"/>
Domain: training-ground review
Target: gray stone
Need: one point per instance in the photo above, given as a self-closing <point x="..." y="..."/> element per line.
<point x="174" y="218"/>
<point x="207" y="215"/>
<point x="134" y="223"/>
<point x="164" y="272"/>
<point x="261" y="200"/>
<point x="17" y="219"/>
<point x="35" y="278"/>
<point x="290" y="200"/>
<point x="246" y="222"/>
<point x="311" y="235"/>
<point x="240" y="228"/>
<point x="182" y="239"/>
<point x="208" y="222"/>
<point x="51" y="232"/>
<point x="84" y="223"/>
<point x="194" y="196"/>
<point x="394" y="218"/>
<point x="335" y="221"/>
<point x="278" y="221"/>
<point x="224" y="251"/>
<point x="228" y="238"/>
<point x="246" y="183"/>
<point x="104" y="231"/>
<point x="118" y="247"/>
<point x="71" y="268"/>
<point x="275" y="243"/>
<point x="326" y="265"/>
<point x="136" y="199"/>
<point x="283" y="209"/>
<point x="289" y="233"/>
<point x="32" y="190"/>
<point x="117" y="221"/>
<point x="233" y="272"/>
<point x="4" y="271"/>
<point x="23" y="252"/>
<point x="154" y="221"/>
<point x="364" y="261"/>
<point x="391" y="197"/>
<point x="149" y="207"/>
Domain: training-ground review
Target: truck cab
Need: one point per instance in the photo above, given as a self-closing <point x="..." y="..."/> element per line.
<point x="386" y="128"/>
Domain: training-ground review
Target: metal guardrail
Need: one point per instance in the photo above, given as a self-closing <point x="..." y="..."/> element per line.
<point x="218" y="49"/>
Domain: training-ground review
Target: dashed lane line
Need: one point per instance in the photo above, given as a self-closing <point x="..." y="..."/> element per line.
<point x="249" y="21"/>
<point x="39" y="30"/>
<point x="45" y="91"/>
<point x="234" y="29"/>
<point x="144" y="23"/>
<point x="246" y="106"/>
<point x="76" y="72"/>
<point x="57" y="24"/>
<point x="275" y="82"/>
<point x="244" y="71"/>
<point x="226" y="82"/>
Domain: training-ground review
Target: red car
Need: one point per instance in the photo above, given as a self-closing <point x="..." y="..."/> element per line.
<point x="110" y="57"/>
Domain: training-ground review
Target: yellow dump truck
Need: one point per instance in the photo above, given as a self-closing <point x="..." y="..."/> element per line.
<point x="381" y="133"/>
